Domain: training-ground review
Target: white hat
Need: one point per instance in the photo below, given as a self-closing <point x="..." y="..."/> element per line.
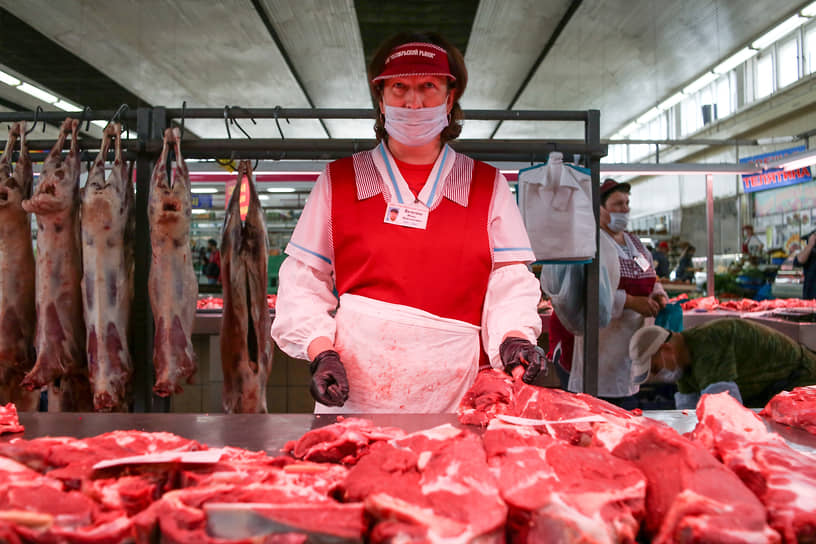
<point x="643" y="345"/>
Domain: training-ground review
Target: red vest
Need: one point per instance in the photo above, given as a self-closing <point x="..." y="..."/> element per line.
<point x="443" y="269"/>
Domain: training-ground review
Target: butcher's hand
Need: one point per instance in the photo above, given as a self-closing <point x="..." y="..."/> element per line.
<point x="329" y="382"/>
<point x="518" y="352"/>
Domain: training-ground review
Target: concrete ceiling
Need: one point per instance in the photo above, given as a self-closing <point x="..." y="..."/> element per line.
<point x="618" y="56"/>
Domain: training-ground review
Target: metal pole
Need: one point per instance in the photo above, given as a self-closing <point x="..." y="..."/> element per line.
<point x="710" y="231"/>
<point x="592" y="270"/>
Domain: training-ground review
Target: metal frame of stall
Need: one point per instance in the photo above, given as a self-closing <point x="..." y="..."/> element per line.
<point x="151" y="122"/>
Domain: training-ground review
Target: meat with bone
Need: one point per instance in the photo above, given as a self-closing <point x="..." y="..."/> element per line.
<point x="172" y="280"/>
<point x="9" y="421"/>
<point x="60" y="332"/>
<point x="108" y="224"/>
<point x="796" y="408"/>
<point x="690" y="496"/>
<point x="557" y="492"/>
<point x="342" y="442"/>
<point x="246" y="344"/>
<point x="782" y="478"/>
<point x="429" y="486"/>
<point x="17" y="313"/>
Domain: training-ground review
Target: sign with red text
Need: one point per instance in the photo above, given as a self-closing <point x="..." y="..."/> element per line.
<point x="775" y="177"/>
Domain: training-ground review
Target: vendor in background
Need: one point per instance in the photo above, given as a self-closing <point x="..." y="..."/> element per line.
<point x="423" y="299"/>
<point x="661" y="260"/>
<point x="213" y="268"/>
<point x="638" y="299"/>
<point x="806" y="258"/>
<point x="685" y="267"/>
<point x="750" y="361"/>
<point x="751" y="245"/>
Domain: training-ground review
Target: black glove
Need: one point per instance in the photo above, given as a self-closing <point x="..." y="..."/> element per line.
<point x="518" y="351"/>
<point x="329" y="383"/>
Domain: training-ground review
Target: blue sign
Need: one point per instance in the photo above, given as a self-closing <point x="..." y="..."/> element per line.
<point x="775" y="177"/>
<point x="202" y="201"/>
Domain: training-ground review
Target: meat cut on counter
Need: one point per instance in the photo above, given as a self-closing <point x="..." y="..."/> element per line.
<point x="17" y="270"/>
<point x="108" y="228"/>
<point x="172" y="281"/>
<point x="60" y="328"/>
<point x="796" y="408"/>
<point x="246" y="346"/>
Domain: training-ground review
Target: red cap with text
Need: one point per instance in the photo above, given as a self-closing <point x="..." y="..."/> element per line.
<point x="416" y="59"/>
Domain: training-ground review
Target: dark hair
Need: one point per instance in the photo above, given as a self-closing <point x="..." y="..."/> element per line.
<point x="457" y="69"/>
<point x="617" y="188"/>
<point x="689" y="249"/>
<point x="212" y="241"/>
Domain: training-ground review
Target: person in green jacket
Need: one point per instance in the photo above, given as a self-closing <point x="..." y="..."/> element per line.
<point x="749" y="360"/>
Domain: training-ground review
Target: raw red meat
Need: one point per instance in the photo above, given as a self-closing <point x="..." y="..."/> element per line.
<point x="341" y="442"/>
<point x="796" y="408"/>
<point x="690" y="496"/>
<point x="9" y="421"/>
<point x="781" y="477"/>
<point x="557" y="492"/>
<point x="429" y="486"/>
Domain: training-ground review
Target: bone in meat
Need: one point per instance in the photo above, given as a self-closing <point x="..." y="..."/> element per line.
<point x="60" y="333"/>
<point x="107" y="272"/>
<point x="17" y="316"/>
<point x="246" y="354"/>
<point x="172" y="281"/>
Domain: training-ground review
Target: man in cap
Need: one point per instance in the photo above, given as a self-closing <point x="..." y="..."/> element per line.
<point x="749" y="360"/>
<point x="661" y="259"/>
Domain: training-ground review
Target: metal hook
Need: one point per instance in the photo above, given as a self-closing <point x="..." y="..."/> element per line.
<point x="257" y="161"/>
<point x="277" y="110"/>
<point x="36" y="119"/>
<point x="87" y="120"/>
<point x="116" y="116"/>
<point x="183" y="113"/>
<point x="234" y="121"/>
<point x="227" y="118"/>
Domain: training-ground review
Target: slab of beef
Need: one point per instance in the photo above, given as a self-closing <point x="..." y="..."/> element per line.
<point x="246" y="346"/>
<point x="784" y="479"/>
<point x="558" y="492"/>
<point x="796" y="408"/>
<point x="60" y="331"/>
<point x="587" y="419"/>
<point x="9" y="422"/>
<point x="17" y="317"/>
<point x="690" y="496"/>
<point x="107" y="227"/>
<point x="342" y="442"/>
<point x="429" y="486"/>
<point x="172" y="281"/>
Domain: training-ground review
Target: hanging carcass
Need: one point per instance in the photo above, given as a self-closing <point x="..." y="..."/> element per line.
<point x="107" y="275"/>
<point x="172" y="281"/>
<point x="60" y="332"/>
<point x="246" y="351"/>
<point x="17" y="317"/>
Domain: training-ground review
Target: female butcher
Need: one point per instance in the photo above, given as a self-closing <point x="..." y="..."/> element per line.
<point x="427" y="297"/>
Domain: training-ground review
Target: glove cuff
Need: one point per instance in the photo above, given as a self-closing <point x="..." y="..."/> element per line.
<point x="323" y="355"/>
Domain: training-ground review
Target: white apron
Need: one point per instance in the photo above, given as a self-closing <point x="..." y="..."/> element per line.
<point x="401" y="359"/>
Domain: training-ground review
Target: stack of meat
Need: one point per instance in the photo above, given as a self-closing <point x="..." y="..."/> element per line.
<point x="548" y="467"/>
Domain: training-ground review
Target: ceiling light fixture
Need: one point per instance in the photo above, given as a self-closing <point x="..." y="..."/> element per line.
<point x="199" y="211"/>
<point x="778" y="31"/>
<point x="9" y="79"/>
<point x="280" y="190"/>
<point x="794" y="161"/>
<point x="809" y="11"/>
<point x="264" y="197"/>
<point x="36" y="92"/>
<point x="648" y="116"/>
<point x="676" y="98"/>
<point x="100" y="124"/>
<point x="735" y="60"/>
<point x="64" y="105"/>
<point x="204" y="190"/>
<point x="665" y="169"/>
<point x="699" y="83"/>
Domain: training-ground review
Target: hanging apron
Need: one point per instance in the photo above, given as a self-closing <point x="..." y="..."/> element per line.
<point x="401" y="359"/>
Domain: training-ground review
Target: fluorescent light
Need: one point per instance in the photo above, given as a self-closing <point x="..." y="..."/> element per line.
<point x="794" y="160"/>
<point x="699" y="83"/>
<point x="64" y="105"/>
<point x="36" y="92"/>
<point x="809" y="10"/>
<point x="648" y="116"/>
<point x="666" y="169"/>
<point x="100" y="124"/>
<point x="280" y="190"/>
<point x="204" y="190"/>
<point x="778" y="31"/>
<point x="264" y="197"/>
<point x="671" y="101"/>
<point x="199" y="211"/>
<point x="9" y="79"/>
<point x="626" y="130"/>
<point x="735" y="60"/>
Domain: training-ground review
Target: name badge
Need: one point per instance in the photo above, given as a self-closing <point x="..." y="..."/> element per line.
<point x="406" y="216"/>
<point x="642" y="262"/>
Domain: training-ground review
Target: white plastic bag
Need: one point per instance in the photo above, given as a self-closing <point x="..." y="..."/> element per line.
<point x="555" y="200"/>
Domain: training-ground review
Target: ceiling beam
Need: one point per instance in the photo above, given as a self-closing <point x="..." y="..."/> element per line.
<point x="562" y="24"/>
<point x="267" y="22"/>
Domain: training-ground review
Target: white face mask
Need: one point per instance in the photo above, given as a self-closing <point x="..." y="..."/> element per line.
<point x="618" y="221"/>
<point x="664" y="375"/>
<point x="415" y="127"/>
